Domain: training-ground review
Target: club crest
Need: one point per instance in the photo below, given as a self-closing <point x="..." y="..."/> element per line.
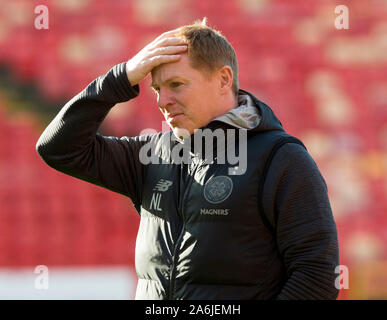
<point x="218" y="189"/>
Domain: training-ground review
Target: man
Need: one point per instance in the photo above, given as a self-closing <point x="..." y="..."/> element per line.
<point x="209" y="229"/>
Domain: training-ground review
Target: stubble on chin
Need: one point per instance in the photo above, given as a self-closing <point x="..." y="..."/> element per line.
<point x="181" y="133"/>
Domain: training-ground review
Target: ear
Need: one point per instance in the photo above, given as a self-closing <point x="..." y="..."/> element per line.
<point x="225" y="79"/>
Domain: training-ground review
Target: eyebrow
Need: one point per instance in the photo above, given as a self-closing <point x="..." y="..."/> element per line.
<point x="154" y="85"/>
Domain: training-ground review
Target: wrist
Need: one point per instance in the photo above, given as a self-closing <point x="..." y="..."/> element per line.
<point x="130" y="74"/>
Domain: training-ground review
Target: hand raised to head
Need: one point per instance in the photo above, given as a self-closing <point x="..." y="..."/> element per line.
<point x="164" y="49"/>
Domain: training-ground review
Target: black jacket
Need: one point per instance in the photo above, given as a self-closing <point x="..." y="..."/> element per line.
<point x="204" y="233"/>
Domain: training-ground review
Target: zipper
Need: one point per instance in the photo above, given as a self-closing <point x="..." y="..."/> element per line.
<point x="182" y="197"/>
<point x="174" y="259"/>
<point x="174" y="254"/>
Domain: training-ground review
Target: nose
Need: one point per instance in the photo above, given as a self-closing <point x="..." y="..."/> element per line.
<point x="165" y="99"/>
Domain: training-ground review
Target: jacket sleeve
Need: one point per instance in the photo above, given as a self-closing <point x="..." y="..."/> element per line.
<point x="296" y="202"/>
<point x="71" y="144"/>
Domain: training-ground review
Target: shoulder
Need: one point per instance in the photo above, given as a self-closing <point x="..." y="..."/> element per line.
<point x="292" y="153"/>
<point x="291" y="163"/>
<point x="280" y="147"/>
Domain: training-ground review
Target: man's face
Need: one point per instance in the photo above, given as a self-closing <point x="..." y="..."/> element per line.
<point x="186" y="97"/>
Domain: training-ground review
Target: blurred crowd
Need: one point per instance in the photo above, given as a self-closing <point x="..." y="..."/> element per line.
<point x="328" y="86"/>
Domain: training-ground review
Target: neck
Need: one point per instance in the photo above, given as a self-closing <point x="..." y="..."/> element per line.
<point x="230" y="101"/>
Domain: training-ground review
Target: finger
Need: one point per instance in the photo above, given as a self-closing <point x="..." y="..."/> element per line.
<point x="171" y="41"/>
<point x="169" y="50"/>
<point x="161" y="59"/>
<point x="168" y="34"/>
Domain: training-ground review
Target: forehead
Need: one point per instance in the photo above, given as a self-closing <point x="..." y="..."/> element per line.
<point x="181" y="69"/>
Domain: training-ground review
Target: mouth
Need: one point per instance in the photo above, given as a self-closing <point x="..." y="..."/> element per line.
<point x="174" y="117"/>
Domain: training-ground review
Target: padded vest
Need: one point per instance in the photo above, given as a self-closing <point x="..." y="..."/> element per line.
<point x="203" y="234"/>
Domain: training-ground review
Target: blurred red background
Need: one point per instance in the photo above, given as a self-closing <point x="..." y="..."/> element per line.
<point x="328" y="86"/>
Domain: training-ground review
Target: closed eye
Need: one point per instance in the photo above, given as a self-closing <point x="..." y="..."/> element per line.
<point x="175" y="84"/>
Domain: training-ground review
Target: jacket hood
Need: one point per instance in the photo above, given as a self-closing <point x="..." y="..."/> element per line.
<point x="251" y="114"/>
